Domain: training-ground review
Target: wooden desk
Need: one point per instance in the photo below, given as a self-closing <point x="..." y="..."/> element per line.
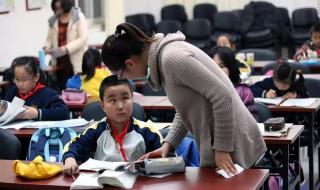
<point x="147" y="102"/>
<point x="292" y="139"/>
<point x="194" y="178"/>
<point x="310" y="112"/>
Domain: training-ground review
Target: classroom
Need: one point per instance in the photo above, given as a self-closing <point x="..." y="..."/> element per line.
<point x="161" y="94"/>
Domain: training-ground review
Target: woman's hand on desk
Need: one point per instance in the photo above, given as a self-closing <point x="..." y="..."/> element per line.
<point x="163" y="152"/>
<point x="29" y="113"/>
<point x="223" y="161"/>
<point x="70" y="166"/>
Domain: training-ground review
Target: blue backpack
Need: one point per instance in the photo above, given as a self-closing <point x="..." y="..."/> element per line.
<point x="49" y="143"/>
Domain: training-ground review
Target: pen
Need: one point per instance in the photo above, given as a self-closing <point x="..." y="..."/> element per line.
<point x="282" y="101"/>
<point x="73" y="177"/>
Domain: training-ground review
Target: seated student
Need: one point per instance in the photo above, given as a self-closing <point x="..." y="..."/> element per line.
<point x="93" y="72"/>
<point x="310" y="49"/>
<point x="224" y="40"/>
<point x="117" y="137"/>
<point x="225" y="58"/>
<point x="41" y="102"/>
<point x="282" y="84"/>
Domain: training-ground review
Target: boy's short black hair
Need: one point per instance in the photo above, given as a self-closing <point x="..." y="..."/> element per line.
<point x="112" y="80"/>
<point x="66" y="5"/>
<point x="315" y="28"/>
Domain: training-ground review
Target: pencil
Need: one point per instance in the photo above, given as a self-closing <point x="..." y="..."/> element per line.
<point x="73" y="177"/>
<point x="282" y="101"/>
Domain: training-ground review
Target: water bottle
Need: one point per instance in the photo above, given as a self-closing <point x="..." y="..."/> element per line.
<point x="42" y="59"/>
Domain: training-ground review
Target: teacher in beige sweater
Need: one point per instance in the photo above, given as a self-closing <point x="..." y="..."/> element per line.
<point x="206" y="102"/>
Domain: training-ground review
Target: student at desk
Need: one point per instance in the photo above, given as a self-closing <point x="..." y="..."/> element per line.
<point x="282" y="84"/>
<point x="118" y="137"/>
<point x="205" y="100"/>
<point x="41" y="102"/>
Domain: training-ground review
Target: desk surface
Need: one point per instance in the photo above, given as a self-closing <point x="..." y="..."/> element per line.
<point x="293" y="133"/>
<point x="194" y="178"/>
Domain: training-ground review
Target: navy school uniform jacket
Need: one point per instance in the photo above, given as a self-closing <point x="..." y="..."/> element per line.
<point x="260" y="89"/>
<point x="48" y="103"/>
<point x="99" y="141"/>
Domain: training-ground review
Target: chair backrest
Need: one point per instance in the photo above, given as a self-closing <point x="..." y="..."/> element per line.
<point x="205" y="10"/>
<point x="94" y="111"/>
<point x="197" y="29"/>
<point x="264" y="112"/>
<point x="261" y="54"/>
<point x="284" y="15"/>
<point x="227" y="21"/>
<point x="312" y="86"/>
<point x="169" y="26"/>
<point x="304" y="17"/>
<point x="10" y="146"/>
<point x="139" y="21"/>
<point x="297" y="66"/>
<point x="174" y="12"/>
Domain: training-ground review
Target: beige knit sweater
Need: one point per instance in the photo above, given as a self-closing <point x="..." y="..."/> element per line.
<point x="205" y="100"/>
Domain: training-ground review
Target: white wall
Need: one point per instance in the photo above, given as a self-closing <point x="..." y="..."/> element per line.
<point x="143" y="6"/>
<point x="22" y="32"/>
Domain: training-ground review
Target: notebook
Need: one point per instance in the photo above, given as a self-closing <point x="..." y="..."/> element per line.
<point x="10" y="110"/>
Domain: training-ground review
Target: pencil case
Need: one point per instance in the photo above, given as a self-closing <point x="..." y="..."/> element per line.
<point x="274" y="124"/>
<point x="162" y="165"/>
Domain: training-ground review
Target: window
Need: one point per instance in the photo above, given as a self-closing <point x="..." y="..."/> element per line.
<point x="92" y="9"/>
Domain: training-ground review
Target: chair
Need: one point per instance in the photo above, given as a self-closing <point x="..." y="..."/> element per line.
<point x="10" y="146"/>
<point x="264" y="112"/>
<point x="174" y="12"/>
<point x="206" y="11"/>
<point x="227" y="22"/>
<point x="287" y="23"/>
<point x="169" y="26"/>
<point x="261" y="54"/>
<point x="94" y="111"/>
<point x="139" y="21"/>
<point x="297" y="66"/>
<point x="198" y="32"/>
<point x="302" y="20"/>
<point x="312" y="86"/>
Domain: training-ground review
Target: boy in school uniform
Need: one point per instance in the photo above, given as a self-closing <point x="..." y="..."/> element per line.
<point x="118" y="137"/>
<point x="310" y="49"/>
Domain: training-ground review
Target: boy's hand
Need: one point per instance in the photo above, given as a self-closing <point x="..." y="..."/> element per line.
<point x="29" y="113"/>
<point x="163" y="152"/>
<point x="289" y="95"/>
<point x="223" y="161"/>
<point x="70" y="166"/>
<point x="271" y="94"/>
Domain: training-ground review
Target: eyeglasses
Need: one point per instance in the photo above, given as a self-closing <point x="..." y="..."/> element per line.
<point x="23" y="81"/>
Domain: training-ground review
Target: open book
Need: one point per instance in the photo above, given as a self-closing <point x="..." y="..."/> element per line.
<point x="300" y="102"/>
<point x="124" y="174"/>
<point x="10" y="110"/>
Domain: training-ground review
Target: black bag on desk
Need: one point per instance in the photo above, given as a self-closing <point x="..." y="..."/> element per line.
<point x="274" y="124"/>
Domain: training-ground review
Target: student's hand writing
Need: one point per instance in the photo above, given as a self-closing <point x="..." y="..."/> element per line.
<point x="223" y="161"/>
<point x="163" y="152"/>
<point x="289" y="95"/>
<point x="271" y="94"/>
<point x="29" y="113"/>
<point x="70" y="166"/>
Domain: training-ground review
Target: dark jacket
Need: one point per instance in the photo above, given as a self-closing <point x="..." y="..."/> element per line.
<point x="48" y="103"/>
<point x="260" y="89"/>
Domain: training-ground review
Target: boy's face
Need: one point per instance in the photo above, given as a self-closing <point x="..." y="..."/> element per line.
<point x="315" y="37"/>
<point x="118" y="104"/>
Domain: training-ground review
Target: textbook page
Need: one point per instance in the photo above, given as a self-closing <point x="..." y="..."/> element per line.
<point x="9" y="111"/>
<point x="96" y="165"/>
<point x="122" y="179"/>
<point x="87" y="181"/>
<point x="271" y="101"/>
<point x="300" y="102"/>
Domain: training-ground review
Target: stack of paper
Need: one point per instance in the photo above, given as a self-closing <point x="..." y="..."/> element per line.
<point x="299" y="102"/>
